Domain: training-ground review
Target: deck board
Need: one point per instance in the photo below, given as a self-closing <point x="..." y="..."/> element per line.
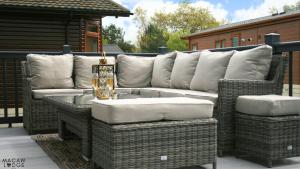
<point x="15" y="143"/>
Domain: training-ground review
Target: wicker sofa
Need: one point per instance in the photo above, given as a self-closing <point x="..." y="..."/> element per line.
<point x="40" y="117"/>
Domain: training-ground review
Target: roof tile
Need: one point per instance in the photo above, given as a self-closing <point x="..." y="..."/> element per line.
<point x="96" y="6"/>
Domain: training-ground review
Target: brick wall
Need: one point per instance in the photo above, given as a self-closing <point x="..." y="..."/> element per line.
<point x="289" y="31"/>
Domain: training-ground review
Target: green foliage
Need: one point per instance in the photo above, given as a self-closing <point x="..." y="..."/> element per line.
<point x="151" y="39"/>
<point x="141" y="19"/>
<point x="289" y="8"/>
<point x="115" y="35"/>
<point x="286" y="8"/>
<point x="126" y="46"/>
<point x="176" y="43"/>
<point x="166" y="29"/>
<point x="186" y="18"/>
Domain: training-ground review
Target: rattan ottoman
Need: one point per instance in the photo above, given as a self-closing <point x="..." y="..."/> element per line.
<point x="154" y="145"/>
<point x="271" y="135"/>
<point x="153" y="133"/>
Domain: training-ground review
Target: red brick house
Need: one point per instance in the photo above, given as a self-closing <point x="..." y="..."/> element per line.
<point x="251" y="32"/>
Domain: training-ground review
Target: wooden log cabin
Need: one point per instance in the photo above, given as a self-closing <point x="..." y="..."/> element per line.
<point x="47" y="25"/>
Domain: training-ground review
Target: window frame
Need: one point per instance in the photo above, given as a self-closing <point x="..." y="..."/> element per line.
<point x="90" y="34"/>
<point x="194" y="45"/>
<point x="237" y="35"/>
<point x="220" y="43"/>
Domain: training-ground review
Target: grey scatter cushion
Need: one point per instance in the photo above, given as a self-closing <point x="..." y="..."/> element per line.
<point x="162" y="69"/>
<point x="134" y="71"/>
<point x="83" y="70"/>
<point x="210" y="69"/>
<point x="184" y="69"/>
<point x="50" y="71"/>
<point x="253" y="64"/>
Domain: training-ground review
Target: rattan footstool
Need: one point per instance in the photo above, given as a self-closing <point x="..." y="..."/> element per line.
<point x="152" y="145"/>
<point x="267" y="127"/>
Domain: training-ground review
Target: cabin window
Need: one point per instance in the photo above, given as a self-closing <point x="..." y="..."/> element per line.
<point x="235" y="41"/>
<point x="220" y="43"/>
<point x="194" y="47"/>
<point x="92" y="36"/>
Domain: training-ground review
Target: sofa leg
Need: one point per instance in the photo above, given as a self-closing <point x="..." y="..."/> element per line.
<point x="270" y="164"/>
<point x="220" y="153"/>
<point x="214" y="164"/>
<point x="93" y="165"/>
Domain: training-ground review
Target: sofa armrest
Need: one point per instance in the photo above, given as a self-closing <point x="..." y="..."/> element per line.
<point x="228" y="92"/>
<point x="24" y="69"/>
<point x="27" y="88"/>
<point x="229" y="88"/>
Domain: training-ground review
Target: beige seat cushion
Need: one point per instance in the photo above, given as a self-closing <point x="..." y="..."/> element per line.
<point x="213" y="97"/>
<point x="162" y="69"/>
<point x="135" y="91"/>
<point x="268" y="105"/>
<point x="51" y="72"/>
<point x="83" y="70"/>
<point x="184" y="69"/>
<point x="167" y="92"/>
<point x="151" y="109"/>
<point x="149" y="93"/>
<point x="134" y="71"/>
<point x="40" y="93"/>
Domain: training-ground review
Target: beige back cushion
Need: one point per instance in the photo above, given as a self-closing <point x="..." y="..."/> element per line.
<point x="252" y="64"/>
<point x="83" y="69"/>
<point x="184" y="69"/>
<point x="49" y="71"/>
<point x="134" y="71"/>
<point x="210" y="69"/>
<point x="162" y="69"/>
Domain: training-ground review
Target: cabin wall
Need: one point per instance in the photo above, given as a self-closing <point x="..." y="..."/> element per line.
<point x="32" y="32"/>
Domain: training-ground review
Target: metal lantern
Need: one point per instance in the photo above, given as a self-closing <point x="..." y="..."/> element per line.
<point x="103" y="79"/>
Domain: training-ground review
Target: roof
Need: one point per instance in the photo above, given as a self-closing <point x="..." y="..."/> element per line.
<point x="245" y="23"/>
<point x="112" y="48"/>
<point x="96" y="7"/>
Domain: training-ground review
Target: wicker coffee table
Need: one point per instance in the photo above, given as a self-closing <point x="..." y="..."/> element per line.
<point x="74" y="117"/>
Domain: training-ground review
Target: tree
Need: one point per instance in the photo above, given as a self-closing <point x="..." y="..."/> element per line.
<point x="140" y="18"/>
<point x="126" y="46"/>
<point x="115" y="35"/>
<point x="176" y="43"/>
<point x="289" y="8"/>
<point x="167" y="28"/>
<point x="151" y="39"/>
<point x="286" y="8"/>
<point x="186" y="18"/>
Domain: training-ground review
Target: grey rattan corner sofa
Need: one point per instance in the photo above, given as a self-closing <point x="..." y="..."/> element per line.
<point x="40" y="117"/>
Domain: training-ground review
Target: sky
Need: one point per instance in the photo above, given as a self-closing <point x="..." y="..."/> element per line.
<point x="231" y="10"/>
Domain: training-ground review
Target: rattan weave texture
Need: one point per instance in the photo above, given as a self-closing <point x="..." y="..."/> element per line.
<point x="267" y="138"/>
<point x="156" y="145"/>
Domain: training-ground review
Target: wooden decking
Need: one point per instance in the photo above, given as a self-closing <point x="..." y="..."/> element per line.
<point x="15" y="143"/>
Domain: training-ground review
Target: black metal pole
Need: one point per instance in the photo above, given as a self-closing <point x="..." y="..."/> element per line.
<point x="16" y="89"/>
<point x="163" y="50"/>
<point x="291" y="73"/>
<point x="4" y="83"/>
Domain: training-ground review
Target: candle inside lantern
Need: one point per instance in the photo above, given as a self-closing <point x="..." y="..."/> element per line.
<point x="103" y="60"/>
